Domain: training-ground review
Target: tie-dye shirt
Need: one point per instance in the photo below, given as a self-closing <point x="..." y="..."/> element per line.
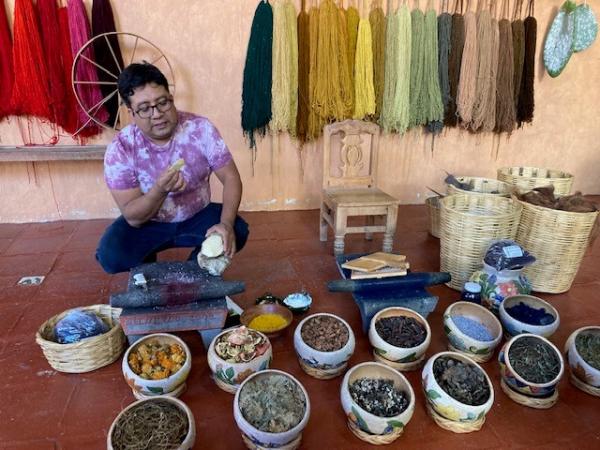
<point x="132" y="161"/>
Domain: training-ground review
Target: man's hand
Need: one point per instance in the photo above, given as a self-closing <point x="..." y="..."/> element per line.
<point x="226" y="232"/>
<point x="170" y="180"/>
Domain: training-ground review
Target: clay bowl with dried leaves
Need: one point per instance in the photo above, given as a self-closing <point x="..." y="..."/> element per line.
<point x="265" y="439"/>
<point x="359" y="417"/>
<point x="520" y="384"/>
<point x="446" y="405"/>
<point x="267" y="308"/>
<point x="579" y="366"/>
<point x="391" y="352"/>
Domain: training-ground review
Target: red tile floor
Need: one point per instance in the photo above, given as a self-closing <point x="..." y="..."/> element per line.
<point x="44" y="409"/>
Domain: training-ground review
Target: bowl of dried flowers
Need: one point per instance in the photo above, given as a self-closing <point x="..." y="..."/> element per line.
<point x="158" y="422"/>
<point x="237" y="353"/>
<point x="457" y="389"/>
<point x="271" y="408"/>
<point x="583" y="353"/>
<point x="324" y="343"/>
<point x="157" y="364"/>
<point x="378" y="402"/>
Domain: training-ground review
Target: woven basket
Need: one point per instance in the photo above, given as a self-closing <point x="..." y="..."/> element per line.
<point x="88" y="354"/>
<point x="433" y="206"/>
<point x="527" y="178"/>
<point x="481" y="186"/>
<point x="469" y="223"/>
<point x="558" y="240"/>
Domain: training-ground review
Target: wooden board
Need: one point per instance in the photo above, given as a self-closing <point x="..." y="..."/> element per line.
<point x="363" y="265"/>
<point x="381" y="273"/>
<point x="389" y="259"/>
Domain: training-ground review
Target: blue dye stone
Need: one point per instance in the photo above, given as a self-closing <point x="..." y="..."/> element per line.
<point x="532" y="316"/>
<point x="472" y="328"/>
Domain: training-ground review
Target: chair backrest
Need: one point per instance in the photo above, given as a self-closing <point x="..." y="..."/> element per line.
<point x="355" y="165"/>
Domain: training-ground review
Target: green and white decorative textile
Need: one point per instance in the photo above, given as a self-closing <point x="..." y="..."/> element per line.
<point x="559" y="42"/>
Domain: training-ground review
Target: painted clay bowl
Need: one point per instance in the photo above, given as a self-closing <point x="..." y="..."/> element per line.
<point x="514" y="326"/>
<point x="446" y="405"/>
<point x="367" y="422"/>
<point x="264" y="438"/>
<point x="580" y="368"/>
<point x="157" y="387"/>
<point x="462" y="341"/>
<point x="190" y="438"/>
<point x="267" y="308"/>
<point x="517" y="382"/>
<point x="318" y="360"/>
<point x="391" y="352"/>
<point x="233" y="374"/>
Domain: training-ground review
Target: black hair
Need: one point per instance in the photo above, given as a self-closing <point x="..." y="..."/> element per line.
<point x="137" y="75"/>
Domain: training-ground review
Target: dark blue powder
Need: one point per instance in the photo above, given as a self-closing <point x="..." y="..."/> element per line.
<point x="472" y="328"/>
<point x="530" y="315"/>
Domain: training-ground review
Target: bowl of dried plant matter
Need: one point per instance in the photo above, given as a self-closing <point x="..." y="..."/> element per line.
<point x="457" y="388"/>
<point x="531" y="365"/>
<point x="377" y="401"/>
<point x="158" y="422"/>
<point x="399" y="335"/>
<point x="324" y="343"/>
<point x="157" y="364"/>
<point x="237" y="353"/>
<point x="271" y="408"/>
<point x="528" y="314"/>
<point x="583" y="353"/>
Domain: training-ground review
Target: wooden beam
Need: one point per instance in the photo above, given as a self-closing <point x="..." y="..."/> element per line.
<point x="53" y="153"/>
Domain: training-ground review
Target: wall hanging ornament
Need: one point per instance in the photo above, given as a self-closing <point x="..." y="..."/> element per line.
<point x="559" y="45"/>
<point x="256" y="90"/>
<point x="586" y="27"/>
<point x="6" y="65"/>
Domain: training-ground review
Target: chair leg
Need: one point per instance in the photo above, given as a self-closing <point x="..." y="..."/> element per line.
<point x="370" y="222"/>
<point x="322" y="225"/>
<point x="340" y="231"/>
<point x="390" y="228"/>
<point x="338" y="245"/>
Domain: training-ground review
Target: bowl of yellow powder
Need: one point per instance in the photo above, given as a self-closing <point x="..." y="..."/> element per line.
<point x="269" y="318"/>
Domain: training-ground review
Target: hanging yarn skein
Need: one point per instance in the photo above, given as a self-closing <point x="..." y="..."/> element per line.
<point x="387" y="120"/>
<point x="89" y="94"/>
<point x="377" y="20"/>
<point x="6" y="65"/>
<point x="256" y="88"/>
<point x="352" y="23"/>
<point x="418" y="114"/>
<point x="432" y="96"/>
<point x="526" y="94"/>
<point x="315" y="122"/>
<point x="489" y="123"/>
<point x="485" y="35"/>
<point x="444" y="24"/>
<point x="457" y="43"/>
<point x="364" y="91"/>
<point x="505" y="105"/>
<point x="30" y="89"/>
<point x="518" y="36"/>
<point x="303" y="26"/>
<point x="108" y="54"/>
<point x="467" y="85"/>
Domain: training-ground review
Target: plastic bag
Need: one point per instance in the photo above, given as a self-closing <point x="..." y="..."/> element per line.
<point x="507" y="254"/>
<point x="77" y="325"/>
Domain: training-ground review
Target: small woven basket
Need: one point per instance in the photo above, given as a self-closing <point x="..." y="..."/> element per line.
<point x="527" y="178"/>
<point x="375" y="439"/>
<point x="481" y="186"/>
<point x="454" y="426"/>
<point x="469" y="223"/>
<point x="531" y="402"/>
<point x="558" y="239"/>
<point x="433" y="207"/>
<point x="322" y="374"/>
<point x="89" y="353"/>
<point x="588" y="389"/>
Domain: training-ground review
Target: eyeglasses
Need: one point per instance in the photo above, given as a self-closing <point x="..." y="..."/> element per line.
<point x="146" y="111"/>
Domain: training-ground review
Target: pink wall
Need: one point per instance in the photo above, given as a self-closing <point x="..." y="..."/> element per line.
<point x="205" y="41"/>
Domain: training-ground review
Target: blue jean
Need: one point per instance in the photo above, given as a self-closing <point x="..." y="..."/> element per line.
<point x="123" y="247"/>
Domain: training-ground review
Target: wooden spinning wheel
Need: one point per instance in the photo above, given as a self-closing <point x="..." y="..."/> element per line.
<point x="134" y="48"/>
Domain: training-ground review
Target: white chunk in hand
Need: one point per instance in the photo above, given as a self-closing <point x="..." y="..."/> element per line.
<point x="177" y="165"/>
<point x="212" y="246"/>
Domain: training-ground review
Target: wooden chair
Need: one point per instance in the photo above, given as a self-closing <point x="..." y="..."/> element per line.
<point x="349" y="185"/>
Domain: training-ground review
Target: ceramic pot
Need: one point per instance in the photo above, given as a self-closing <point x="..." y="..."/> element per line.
<point x="462" y="341"/>
<point x="513" y="326"/>
<point x="580" y="368"/>
<point x="398" y="354"/>
<point x="497" y="285"/>
<point x="263" y="438"/>
<point x="334" y="362"/>
<point x="446" y="405"/>
<point x="518" y="383"/>
<point x="231" y="375"/>
<point x="367" y="422"/>
<point x="171" y="385"/>
<point x="190" y="438"/>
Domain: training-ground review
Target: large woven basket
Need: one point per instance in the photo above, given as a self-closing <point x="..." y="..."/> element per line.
<point x="469" y="223"/>
<point x="89" y="353"/>
<point x="558" y="240"/>
<point x="481" y="186"/>
<point x="527" y="178"/>
<point x="433" y="208"/>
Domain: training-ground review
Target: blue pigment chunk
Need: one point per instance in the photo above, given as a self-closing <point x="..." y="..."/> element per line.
<point x="473" y="328"/>
<point x="529" y="315"/>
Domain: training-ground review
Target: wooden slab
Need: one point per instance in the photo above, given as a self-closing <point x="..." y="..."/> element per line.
<point x="389" y="259"/>
<point x="363" y="265"/>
